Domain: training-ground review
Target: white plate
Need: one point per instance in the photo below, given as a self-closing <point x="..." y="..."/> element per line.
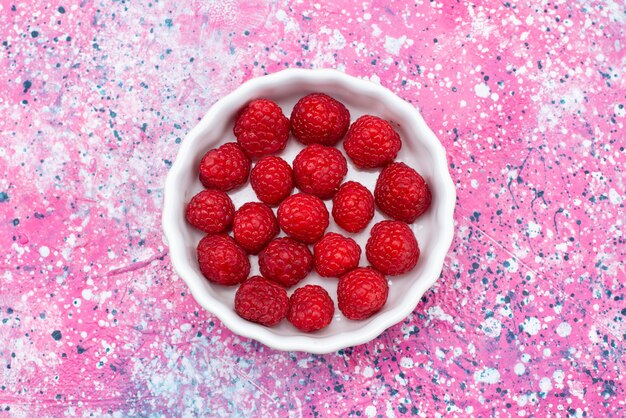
<point x="420" y="149"/>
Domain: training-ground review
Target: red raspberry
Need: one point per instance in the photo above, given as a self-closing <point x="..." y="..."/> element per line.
<point x="335" y="255"/>
<point x="372" y="142"/>
<point x="272" y="180"/>
<point x="254" y="226"/>
<point x="224" y="168"/>
<point x="262" y="128"/>
<point x="353" y="206"/>
<point x="261" y="301"/>
<point x="319" y="119"/>
<point x="392" y="248"/>
<point x="401" y="193"/>
<point x="361" y="293"/>
<point x="310" y="308"/>
<point x="303" y="217"/>
<point x="285" y="261"/>
<point x="222" y="261"/>
<point x="210" y="211"/>
<point x="319" y="170"/>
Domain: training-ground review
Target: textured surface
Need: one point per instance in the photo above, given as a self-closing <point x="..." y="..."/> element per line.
<point x="303" y="217"/>
<point x="319" y="119"/>
<point x="262" y="301"/>
<point x="529" y="316"/>
<point x="361" y="293"/>
<point x="319" y="170"/>
<point x="401" y="193"/>
<point x="272" y="180"/>
<point x="335" y="255"/>
<point x="392" y="248"/>
<point x="285" y="261"/>
<point x="262" y="128"/>
<point x="254" y="226"/>
<point x="353" y="206"/>
<point x="372" y="142"/>
<point x="224" y="168"/>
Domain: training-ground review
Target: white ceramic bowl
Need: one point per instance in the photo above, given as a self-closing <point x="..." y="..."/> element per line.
<point x="420" y="149"/>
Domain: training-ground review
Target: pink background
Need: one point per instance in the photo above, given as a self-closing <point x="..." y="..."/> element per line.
<point x="529" y="317"/>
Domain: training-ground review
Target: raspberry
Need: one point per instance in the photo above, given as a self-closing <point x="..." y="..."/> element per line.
<point x="224" y="168"/>
<point x="372" y="142"/>
<point x="310" y="308"/>
<point x="319" y="170"/>
<point x="303" y="217"/>
<point x="335" y="255"/>
<point x="262" y="128"/>
<point x="261" y="301"/>
<point x="222" y="261"/>
<point x="353" y="206"/>
<point x="319" y="119"/>
<point x="254" y="226"/>
<point x="392" y="248"/>
<point x="361" y="293"/>
<point x="272" y="180"/>
<point x="210" y="211"/>
<point x="285" y="261"/>
<point x="401" y="193"/>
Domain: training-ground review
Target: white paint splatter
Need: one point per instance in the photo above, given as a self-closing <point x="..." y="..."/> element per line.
<point x="576" y="388"/>
<point x="290" y="24"/>
<point x="337" y="41"/>
<point x="511" y="265"/>
<point x="561" y="247"/>
<point x="614" y="197"/>
<point x="559" y="377"/>
<point x="482" y="90"/>
<point x="471" y="348"/>
<point x="393" y="45"/>
<point x="437" y="313"/>
<point x="492" y="327"/>
<point x="487" y="375"/>
<point x="564" y="329"/>
<point x="531" y="325"/>
<point x="87" y="294"/>
<point x="406" y="362"/>
<point x="533" y="229"/>
<point x="545" y="384"/>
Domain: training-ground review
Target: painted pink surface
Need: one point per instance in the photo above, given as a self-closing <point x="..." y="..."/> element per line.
<point x="529" y="317"/>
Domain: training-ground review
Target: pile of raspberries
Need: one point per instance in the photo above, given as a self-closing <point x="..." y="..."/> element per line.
<point x="319" y="122"/>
